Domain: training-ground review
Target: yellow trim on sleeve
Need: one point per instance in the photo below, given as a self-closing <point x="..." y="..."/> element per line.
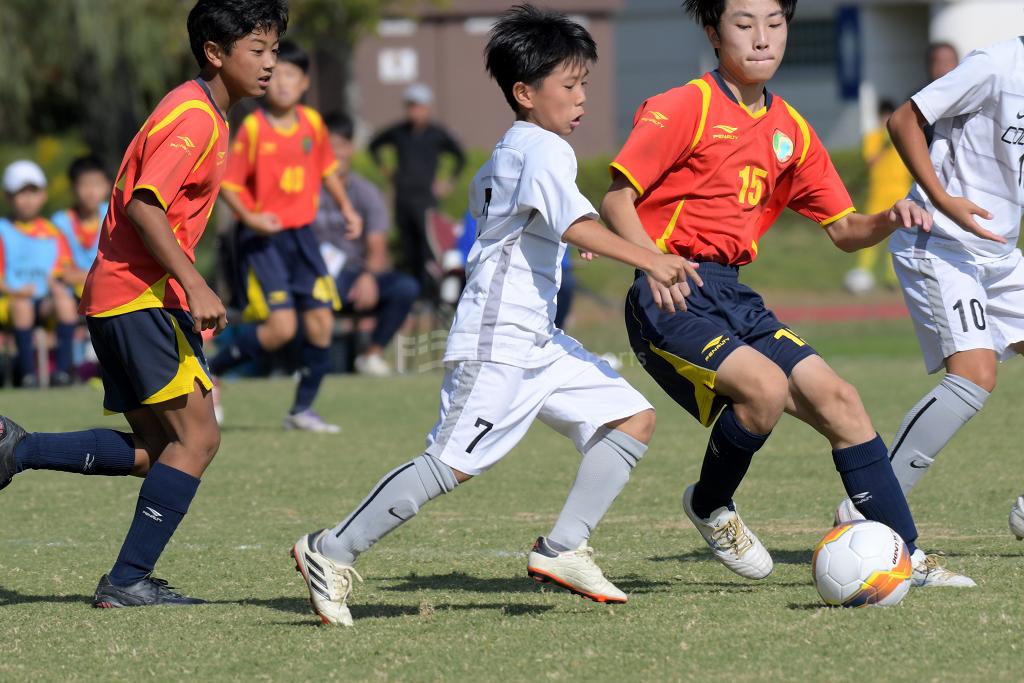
<point x="705" y="91"/>
<point x="153" y="297"/>
<point x="629" y="176"/>
<point x="753" y="246"/>
<point x="189" y="370"/>
<point x="234" y="187"/>
<point x="670" y="228"/>
<point x="804" y="131"/>
<point x="156" y="193"/>
<point x="181" y="109"/>
<point x="331" y="169"/>
<point x="829" y="221"/>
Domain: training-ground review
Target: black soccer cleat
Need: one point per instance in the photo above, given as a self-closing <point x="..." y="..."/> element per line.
<point x="143" y="593"/>
<point x="11" y="435"/>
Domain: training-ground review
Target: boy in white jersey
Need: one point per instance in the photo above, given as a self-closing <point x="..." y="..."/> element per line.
<point x="506" y="362"/>
<point x="963" y="281"/>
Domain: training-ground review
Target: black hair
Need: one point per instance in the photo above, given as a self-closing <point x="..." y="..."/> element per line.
<point x="526" y="44"/>
<point x="290" y="53"/>
<point x="941" y="45"/>
<point x="709" y="12"/>
<point x="88" y="163"/>
<point x="340" y="124"/>
<point x="886" y="107"/>
<point x="225" y="22"/>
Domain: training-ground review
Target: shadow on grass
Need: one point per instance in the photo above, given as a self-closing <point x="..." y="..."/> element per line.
<point x="702" y="555"/>
<point x="426" y="610"/>
<point x="809" y="606"/>
<point x="460" y="581"/>
<point x="12" y="597"/>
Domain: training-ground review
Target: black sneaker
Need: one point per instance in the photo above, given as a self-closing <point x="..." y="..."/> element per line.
<point x="142" y="593"/>
<point x="11" y="435"/>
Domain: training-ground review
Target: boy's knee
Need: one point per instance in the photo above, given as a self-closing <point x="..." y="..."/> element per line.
<point x="639" y="426"/>
<point x="202" y="444"/>
<point x="763" y="399"/>
<point x="280" y="328"/>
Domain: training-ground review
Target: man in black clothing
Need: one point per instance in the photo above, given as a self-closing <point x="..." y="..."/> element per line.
<point x="418" y="143"/>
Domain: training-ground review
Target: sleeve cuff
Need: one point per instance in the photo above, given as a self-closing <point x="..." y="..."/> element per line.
<point x="616" y="166"/>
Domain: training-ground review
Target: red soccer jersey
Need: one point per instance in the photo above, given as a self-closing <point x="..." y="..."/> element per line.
<point x="713" y="177"/>
<point x="280" y="171"/>
<point x="179" y="156"/>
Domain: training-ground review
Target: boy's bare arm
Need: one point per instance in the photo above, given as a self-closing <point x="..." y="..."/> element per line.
<point x="856" y="231"/>
<point x="263" y="223"/>
<point x="353" y="221"/>
<point x="906" y="127"/>
<point x="150" y="222"/>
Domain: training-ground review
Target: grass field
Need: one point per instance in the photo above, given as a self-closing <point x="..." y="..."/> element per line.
<point x="446" y="597"/>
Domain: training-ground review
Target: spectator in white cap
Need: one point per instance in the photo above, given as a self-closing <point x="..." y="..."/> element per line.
<point x="34" y="256"/>
<point x="418" y="143"/>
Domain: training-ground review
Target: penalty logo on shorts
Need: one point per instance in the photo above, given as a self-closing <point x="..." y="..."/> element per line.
<point x="783" y="146"/>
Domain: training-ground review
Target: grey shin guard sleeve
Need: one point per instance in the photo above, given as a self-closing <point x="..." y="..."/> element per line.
<point x="395" y="499"/>
<point x="930" y="425"/>
<point x="603" y="473"/>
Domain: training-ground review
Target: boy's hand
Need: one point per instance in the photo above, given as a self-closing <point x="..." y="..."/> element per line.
<point x="907" y="214"/>
<point x="667" y="275"/>
<point x="963" y="211"/>
<point x="263" y="223"/>
<point x="587" y="255"/>
<point x="353" y="225"/>
<point x="364" y="293"/>
<point x="207" y="309"/>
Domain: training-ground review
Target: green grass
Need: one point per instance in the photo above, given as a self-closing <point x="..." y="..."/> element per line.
<point x="446" y="596"/>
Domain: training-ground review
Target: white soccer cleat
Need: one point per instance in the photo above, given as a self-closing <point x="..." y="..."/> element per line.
<point x="309" y="421"/>
<point x="847" y="512"/>
<point x="372" y="365"/>
<point x="329" y="582"/>
<point x="928" y="573"/>
<point x="574" y="570"/>
<point x="1017" y="519"/>
<point x="733" y="544"/>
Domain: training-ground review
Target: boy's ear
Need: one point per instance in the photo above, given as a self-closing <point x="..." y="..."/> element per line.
<point x="712" y="35"/>
<point x="523" y="95"/>
<point x="214" y="54"/>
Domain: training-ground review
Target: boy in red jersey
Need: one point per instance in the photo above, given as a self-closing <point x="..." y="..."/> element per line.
<point x="705" y="172"/>
<point x="278" y="162"/>
<point x="146" y="304"/>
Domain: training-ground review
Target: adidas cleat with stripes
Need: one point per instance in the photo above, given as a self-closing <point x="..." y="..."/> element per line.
<point x="573" y="570"/>
<point x="329" y="583"/>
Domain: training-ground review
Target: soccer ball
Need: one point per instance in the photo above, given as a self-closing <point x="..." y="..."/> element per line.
<point x="861" y="564"/>
<point x="859" y="281"/>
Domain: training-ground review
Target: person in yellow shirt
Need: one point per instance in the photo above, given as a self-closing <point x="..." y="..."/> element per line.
<point x="888" y="182"/>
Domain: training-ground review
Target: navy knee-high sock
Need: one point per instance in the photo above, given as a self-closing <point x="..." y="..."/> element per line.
<point x="93" y="452"/>
<point x="26" y="352"/>
<point x="246" y="346"/>
<point x="65" y="346"/>
<point x="163" y="501"/>
<point x="730" y="450"/>
<point x="873" y="488"/>
<point x="316" y="361"/>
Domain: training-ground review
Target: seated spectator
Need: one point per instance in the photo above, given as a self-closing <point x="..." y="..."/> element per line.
<point x="80" y="223"/>
<point x="361" y="268"/>
<point x="35" y="267"/>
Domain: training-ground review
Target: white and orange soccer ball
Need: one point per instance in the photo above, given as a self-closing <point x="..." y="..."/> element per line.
<point x="861" y="564"/>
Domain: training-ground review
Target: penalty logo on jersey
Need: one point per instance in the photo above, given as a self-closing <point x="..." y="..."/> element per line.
<point x="783" y="146"/>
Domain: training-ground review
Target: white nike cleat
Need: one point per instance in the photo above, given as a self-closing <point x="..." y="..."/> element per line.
<point x="928" y="573"/>
<point x="329" y="582"/>
<point x="1017" y="519"/>
<point x="847" y="512"/>
<point x="309" y="421"/>
<point x="733" y="544"/>
<point x="574" y="570"/>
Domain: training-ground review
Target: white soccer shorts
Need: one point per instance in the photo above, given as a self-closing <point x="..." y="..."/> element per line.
<point x="959" y="306"/>
<point x="486" y="407"/>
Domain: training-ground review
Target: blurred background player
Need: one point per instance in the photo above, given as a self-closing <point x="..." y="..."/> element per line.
<point x="706" y="171"/>
<point x="36" y="268"/>
<point x="418" y="143"/>
<point x="361" y="265"/>
<point x="941" y="58"/>
<point x="888" y="182"/>
<point x="964" y="281"/>
<point x="280" y="158"/>
<point x="146" y="304"/>
<point x="506" y="362"/>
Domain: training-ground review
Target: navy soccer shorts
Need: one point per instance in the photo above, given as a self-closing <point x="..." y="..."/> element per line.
<point x="148" y="357"/>
<point x="682" y="351"/>
<point x="282" y="270"/>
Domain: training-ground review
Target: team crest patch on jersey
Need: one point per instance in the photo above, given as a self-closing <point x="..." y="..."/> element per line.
<point x="307" y="144"/>
<point x="783" y="146"/>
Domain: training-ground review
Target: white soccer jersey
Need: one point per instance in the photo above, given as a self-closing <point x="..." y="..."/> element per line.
<point x="977" y="152"/>
<point x="523" y="199"/>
